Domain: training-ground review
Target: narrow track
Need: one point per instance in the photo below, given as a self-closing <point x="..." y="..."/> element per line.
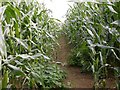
<point x="74" y="79"/>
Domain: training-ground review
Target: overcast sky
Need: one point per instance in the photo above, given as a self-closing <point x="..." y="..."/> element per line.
<point x="58" y="7"/>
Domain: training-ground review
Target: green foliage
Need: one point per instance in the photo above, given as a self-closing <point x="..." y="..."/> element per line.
<point x="94" y="32"/>
<point x="27" y="38"/>
<point x="5" y="80"/>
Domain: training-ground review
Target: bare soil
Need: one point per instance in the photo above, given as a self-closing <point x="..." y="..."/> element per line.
<point x="74" y="79"/>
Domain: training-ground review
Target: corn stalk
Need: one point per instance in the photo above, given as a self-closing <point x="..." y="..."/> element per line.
<point x="28" y="33"/>
<point x="93" y="30"/>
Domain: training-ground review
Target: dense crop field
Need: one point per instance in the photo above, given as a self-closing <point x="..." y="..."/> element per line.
<point x="28" y="37"/>
<point x="94" y="33"/>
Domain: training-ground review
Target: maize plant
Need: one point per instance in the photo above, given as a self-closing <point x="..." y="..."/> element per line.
<point x="93" y="29"/>
<point x="27" y="37"/>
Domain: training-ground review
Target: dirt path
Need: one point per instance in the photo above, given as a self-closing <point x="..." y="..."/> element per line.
<point x="75" y="79"/>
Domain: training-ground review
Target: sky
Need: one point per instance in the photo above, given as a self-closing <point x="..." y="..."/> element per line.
<point x="58" y="8"/>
